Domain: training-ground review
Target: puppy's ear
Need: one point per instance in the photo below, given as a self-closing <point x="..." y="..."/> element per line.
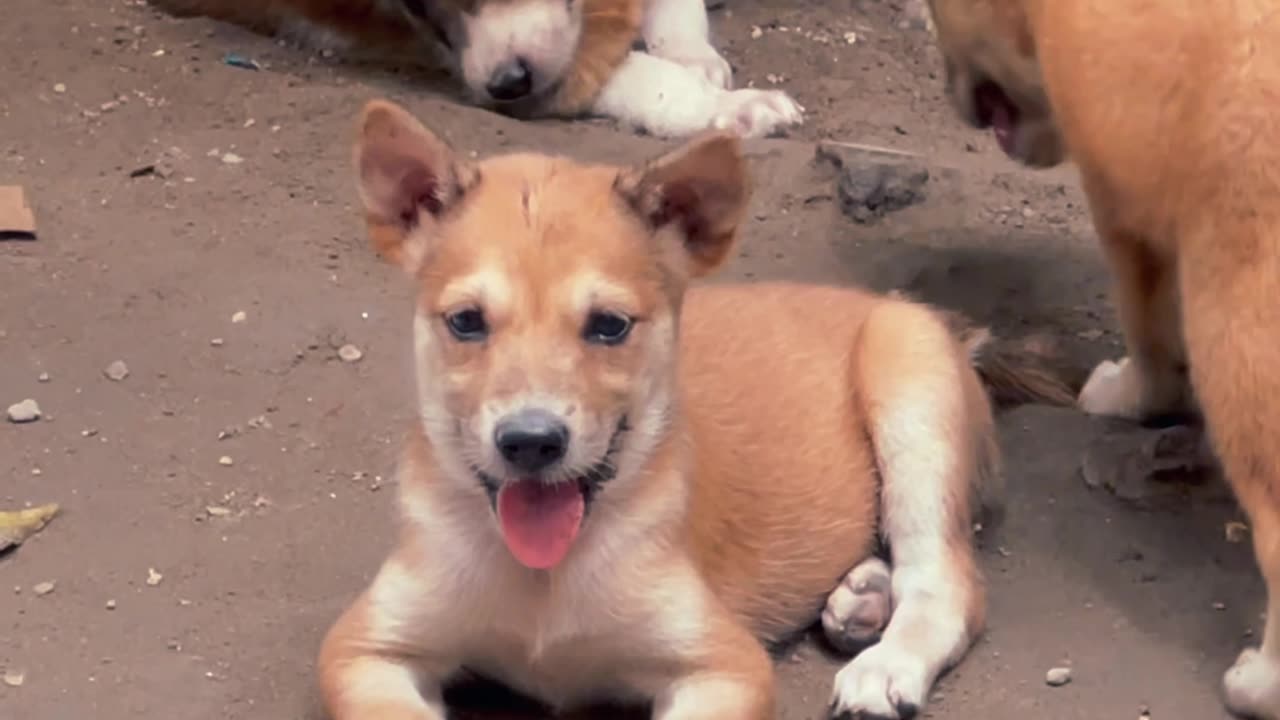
<point x="408" y="179"/>
<point x="701" y="190"/>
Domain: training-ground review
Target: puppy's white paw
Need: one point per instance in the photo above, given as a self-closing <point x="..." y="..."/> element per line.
<point x="883" y="683"/>
<point x="1252" y="686"/>
<point x="860" y="607"/>
<point x="756" y="113"/>
<point x="702" y="59"/>
<point x="1113" y="388"/>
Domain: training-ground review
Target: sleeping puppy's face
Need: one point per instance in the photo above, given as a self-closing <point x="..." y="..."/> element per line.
<point x="511" y="53"/>
<point x="993" y="78"/>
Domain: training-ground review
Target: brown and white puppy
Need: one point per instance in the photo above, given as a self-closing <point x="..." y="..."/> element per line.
<point x="620" y="487"/>
<point x="539" y="58"/>
<point x="1168" y="109"/>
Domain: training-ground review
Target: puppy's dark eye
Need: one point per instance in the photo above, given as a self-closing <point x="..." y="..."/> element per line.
<point x="467" y="325"/>
<point x="606" y="328"/>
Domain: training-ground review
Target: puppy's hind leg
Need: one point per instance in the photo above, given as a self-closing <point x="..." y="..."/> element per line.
<point x="930" y="423"/>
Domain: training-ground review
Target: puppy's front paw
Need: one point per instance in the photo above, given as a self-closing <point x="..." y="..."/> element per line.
<point x="757" y="113"/>
<point x="701" y="59"/>
<point x="1252" y="686"/>
<point x="883" y="683"/>
<point x="1113" y="388"/>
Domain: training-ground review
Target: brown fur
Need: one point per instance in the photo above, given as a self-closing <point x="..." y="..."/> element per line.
<point x="1168" y="109"/>
<point x="775" y="435"/>
<point x="610" y="28"/>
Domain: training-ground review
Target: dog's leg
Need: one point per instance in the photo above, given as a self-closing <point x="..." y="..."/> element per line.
<point x="1151" y="382"/>
<point x="678" y="31"/>
<point x="666" y="99"/>
<point x="1233" y="338"/>
<point x="733" y="678"/>
<point x="931" y="429"/>
<point x="368" y="669"/>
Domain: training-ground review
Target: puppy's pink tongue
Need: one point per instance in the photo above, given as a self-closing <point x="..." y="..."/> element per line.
<point x="539" y="521"/>
<point x="1002" y="126"/>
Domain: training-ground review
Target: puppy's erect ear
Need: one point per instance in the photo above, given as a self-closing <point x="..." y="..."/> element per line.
<point x="408" y="178"/>
<point x="701" y="190"/>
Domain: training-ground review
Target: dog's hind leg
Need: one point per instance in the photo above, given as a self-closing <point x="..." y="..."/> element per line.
<point x="930" y="423"/>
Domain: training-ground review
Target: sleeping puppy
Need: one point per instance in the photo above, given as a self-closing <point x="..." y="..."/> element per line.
<point x="623" y="488"/>
<point x="541" y="58"/>
<point x="1168" y="109"/>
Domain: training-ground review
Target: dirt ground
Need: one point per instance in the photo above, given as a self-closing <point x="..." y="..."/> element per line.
<point x="249" y="467"/>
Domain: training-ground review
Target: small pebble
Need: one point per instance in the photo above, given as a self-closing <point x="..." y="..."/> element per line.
<point x="225" y="460"/>
<point x="1057" y="677"/>
<point x="153" y="577"/>
<point x="111" y="604"/>
<point x="756" y="32"/>
<point x="14" y="678"/>
<point x="117" y="371"/>
<point x="350" y="353"/>
<point x="24" y="412"/>
<point x="44" y="588"/>
<point x="231" y="159"/>
<point x="217" y="511"/>
<point x="216" y="342"/>
<point x="239" y="317"/>
<point x="59" y="88"/>
<point x="44" y="377"/>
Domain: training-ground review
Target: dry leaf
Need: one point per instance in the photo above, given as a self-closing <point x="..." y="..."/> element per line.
<point x="18" y="525"/>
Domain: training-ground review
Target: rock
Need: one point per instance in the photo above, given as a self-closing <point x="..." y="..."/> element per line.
<point x="14" y="678"/>
<point x="117" y="371"/>
<point x="350" y="353"/>
<point x="874" y="181"/>
<point x="153" y="577"/>
<point x="226" y="461"/>
<point x="111" y="604"/>
<point x="1146" y="466"/>
<point x="1057" y="677"/>
<point x="24" y="412"/>
<point x="43" y="588"/>
<point x="231" y="159"/>
<point x="239" y="317"/>
<point x="44" y="377"/>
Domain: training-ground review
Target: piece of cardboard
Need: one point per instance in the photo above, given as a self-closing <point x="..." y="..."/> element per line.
<point x="17" y="222"/>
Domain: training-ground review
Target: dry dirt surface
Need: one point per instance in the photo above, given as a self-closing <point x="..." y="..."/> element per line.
<point x="224" y="499"/>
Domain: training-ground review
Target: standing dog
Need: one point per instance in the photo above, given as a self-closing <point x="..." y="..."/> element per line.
<point x="619" y="488"/>
<point x="538" y="58"/>
<point x="1168" y="108"/>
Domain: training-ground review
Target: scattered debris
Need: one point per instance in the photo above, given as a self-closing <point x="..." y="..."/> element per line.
<point x="17" y="222"/>
<point x="239" y="61"/>
<point x="24" y="412"/>
<point x="18" y="525"/>
<point x="14" y="678"/>
<point x="116" y="371"/>
<point x="153" y="577"/>
<point x="43" y="588"/>
<point x="1235" y="531"/>
<point x="350" y="353"/>
<point x="1057" y="677"/>
<point x="1143" y="465"/>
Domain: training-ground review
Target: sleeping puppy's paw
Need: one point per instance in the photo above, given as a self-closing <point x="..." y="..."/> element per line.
<point x="756" y="113"/>
<point x="883" y="683"/>
<point x="1252" y="686"/>
<point x="702" y="59"/>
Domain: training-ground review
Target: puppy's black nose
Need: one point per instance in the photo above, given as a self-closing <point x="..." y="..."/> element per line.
<point x="531" y="440"/>
<point x="511" y="81"/>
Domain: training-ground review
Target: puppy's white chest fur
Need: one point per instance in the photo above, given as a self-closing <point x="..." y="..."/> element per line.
<point x="598" y="626"/>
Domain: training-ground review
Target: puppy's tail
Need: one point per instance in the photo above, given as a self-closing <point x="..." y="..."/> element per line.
<point x="1018" y="372"/>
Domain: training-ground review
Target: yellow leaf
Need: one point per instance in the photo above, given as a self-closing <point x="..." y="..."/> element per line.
<point x="18" y="525"/>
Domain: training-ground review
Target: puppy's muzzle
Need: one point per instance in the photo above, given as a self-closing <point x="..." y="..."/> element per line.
<point x="531" y="440"/>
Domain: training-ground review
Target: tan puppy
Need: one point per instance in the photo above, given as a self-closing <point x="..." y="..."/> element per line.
<point x="535" y="58"/>
<point x="1169" y="109"/>
<point x="621" y="489"/>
